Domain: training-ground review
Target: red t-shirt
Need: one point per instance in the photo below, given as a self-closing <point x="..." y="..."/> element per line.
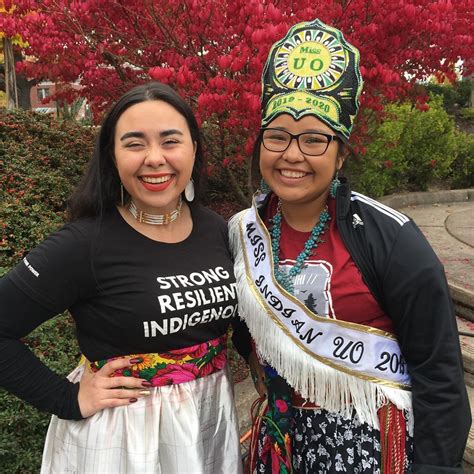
<point x="329" y="284"/>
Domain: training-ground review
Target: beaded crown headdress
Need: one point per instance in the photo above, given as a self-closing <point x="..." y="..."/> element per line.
<point x="313" y="70"/>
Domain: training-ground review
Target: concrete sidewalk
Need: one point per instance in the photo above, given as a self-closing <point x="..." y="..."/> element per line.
<point x="447" y="220"/>
<point x="448" y="224"/>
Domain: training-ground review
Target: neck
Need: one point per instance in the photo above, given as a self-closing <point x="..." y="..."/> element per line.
<point x="303" y="217"/>
<point x="173" y="232"/>
<point x="154" y="219"/>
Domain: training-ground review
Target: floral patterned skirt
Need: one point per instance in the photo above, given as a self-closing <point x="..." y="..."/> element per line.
<point x="323" y="442"/>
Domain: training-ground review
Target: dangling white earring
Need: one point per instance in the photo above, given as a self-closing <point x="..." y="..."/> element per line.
<point x="189" y="191"/>
<point x="121" y="193"/>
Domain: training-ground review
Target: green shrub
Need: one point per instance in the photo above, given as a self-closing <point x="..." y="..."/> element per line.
<point x="467" y="114"/>
<point x="453" y="94"/>
<point x="41" y="159"/>
<point x="408" y="151"/>
<point x="462" y="169"/>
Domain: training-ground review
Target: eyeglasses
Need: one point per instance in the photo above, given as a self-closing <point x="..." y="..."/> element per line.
<point x="309" y="143"/>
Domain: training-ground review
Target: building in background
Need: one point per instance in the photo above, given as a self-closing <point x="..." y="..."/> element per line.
<point x="42" y="100"/>
<point x="39" y="95"/>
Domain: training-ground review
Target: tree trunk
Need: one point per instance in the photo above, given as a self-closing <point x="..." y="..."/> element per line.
<point x="241" y="197"/>
<point x="24" y="90"/>
<point x="10" y="74"/>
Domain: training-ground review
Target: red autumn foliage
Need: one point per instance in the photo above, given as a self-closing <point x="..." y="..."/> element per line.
<point x="213" y="51"/>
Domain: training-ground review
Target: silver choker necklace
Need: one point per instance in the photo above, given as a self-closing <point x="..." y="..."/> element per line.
<point x="155" y="219"/>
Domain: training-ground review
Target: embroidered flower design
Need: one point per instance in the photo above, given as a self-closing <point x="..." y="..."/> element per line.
<point x="216" y="363"/>
<point x="174" y="374"/>
<point x="175" y="366"/>
<point x="193" y="352"/>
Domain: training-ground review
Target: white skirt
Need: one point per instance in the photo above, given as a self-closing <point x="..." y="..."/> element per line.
<point x="185" y="428"/>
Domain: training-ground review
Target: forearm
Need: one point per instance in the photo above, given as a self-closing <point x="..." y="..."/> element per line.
<point x="21" y="372"/>
<point x="441" y="416"/>
<point x="419" y="302"/>
<point x="25" y="376"/>
<point x="440" y="404"/>
<point x="241" y="338"/>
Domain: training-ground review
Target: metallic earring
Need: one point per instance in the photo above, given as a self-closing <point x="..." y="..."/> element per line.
<point x="189" y="191"/>
<point x="334" y="185"/>
<point x="121" y="193"/>
<point x="264" y="188"/>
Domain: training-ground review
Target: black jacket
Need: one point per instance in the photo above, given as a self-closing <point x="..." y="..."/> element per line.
<point x="407" y="279"/>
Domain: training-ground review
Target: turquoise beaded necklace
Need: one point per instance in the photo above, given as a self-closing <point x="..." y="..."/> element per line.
<point x="286" y="279"/>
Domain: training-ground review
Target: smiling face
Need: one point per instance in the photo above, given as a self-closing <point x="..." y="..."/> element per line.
<point x="154" y="155"/>
<point x="295" y="177"/>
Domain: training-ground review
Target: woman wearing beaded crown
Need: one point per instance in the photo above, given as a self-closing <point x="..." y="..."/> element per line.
<point x="345" y="300"/>
<point x="152" y="293"/>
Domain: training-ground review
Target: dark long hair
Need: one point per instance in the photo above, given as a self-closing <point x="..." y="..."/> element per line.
<point x="99" y="188"/>
<point x="255" y="175"/>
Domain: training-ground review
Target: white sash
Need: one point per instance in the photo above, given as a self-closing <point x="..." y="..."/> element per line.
<point x="336" y="364"/>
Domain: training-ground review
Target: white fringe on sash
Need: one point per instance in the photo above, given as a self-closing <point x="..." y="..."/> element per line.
<point x="333" y="390"/>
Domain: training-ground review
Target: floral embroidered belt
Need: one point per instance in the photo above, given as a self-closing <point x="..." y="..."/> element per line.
<point x="175" y="366"/>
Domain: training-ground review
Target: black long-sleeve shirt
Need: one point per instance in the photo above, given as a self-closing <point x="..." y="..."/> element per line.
<point x="127" y="294"/>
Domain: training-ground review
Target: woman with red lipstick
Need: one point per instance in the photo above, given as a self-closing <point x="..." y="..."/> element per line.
<point x="345" y="300"/>
<point x="146" y="273"/>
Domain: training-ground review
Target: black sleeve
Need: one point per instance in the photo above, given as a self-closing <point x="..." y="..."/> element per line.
<point x="418" y="300"/>
<point x="58" y="272"/>
<point x="21" y="373"/>
<point x="241" y="338"/>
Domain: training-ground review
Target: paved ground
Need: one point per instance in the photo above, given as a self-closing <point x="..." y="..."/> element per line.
<point x="449" y="228"/>
<point x="245" y="394"/>
<point x="447" y="221"/>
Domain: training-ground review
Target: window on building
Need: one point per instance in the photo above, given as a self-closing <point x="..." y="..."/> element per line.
<point x="43" y="93"/>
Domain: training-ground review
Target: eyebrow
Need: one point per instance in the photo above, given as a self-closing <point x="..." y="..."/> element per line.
<point x="164" y="133"/>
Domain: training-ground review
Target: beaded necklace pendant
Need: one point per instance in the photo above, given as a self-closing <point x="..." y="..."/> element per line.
<point x="286" y="279"/>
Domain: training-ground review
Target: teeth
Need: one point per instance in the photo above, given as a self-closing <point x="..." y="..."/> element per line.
<point x="292" y="174"/>
<point x="161" y="179"/>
